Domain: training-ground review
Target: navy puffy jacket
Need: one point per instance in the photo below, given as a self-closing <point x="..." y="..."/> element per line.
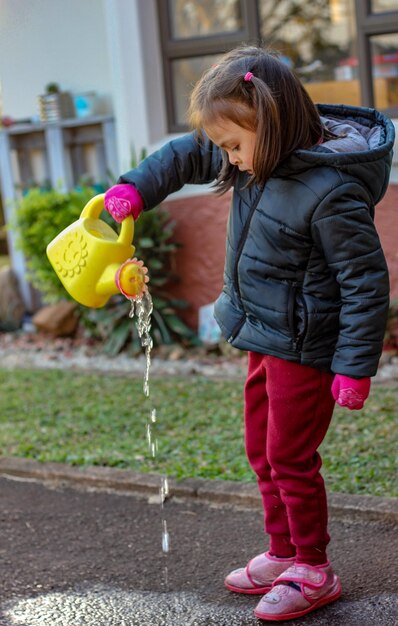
<point x="305" y="276"/>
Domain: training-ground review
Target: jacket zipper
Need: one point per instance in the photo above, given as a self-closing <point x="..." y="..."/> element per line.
<point x="297" y="339"/>
<point x="290" y="314"/>
<point x="242" y="242"/>
<point x="239" y="249"/>
<point x="235" y="330"/>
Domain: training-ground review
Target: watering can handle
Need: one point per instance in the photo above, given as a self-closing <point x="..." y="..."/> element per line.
<point x="93" y="209"/>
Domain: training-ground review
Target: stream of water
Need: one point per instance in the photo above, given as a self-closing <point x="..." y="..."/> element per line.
<point x="141" y="309"/>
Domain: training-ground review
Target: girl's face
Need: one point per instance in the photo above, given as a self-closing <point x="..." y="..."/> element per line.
<point x="238" y="143"/>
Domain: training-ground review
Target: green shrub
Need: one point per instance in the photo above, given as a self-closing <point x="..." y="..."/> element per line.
<point x="40" y="216"/>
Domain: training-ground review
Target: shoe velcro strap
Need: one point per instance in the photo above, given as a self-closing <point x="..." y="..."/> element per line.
<point x="252" y="580"/>
<point x="310" y="576"/>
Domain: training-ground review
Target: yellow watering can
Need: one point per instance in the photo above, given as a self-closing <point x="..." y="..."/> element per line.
<point x="93" y="262"/>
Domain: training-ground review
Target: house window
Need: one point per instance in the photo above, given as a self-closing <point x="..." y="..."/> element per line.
<point x="384" y="55"/>
<point x="318" y="40"/>
<point x="194" y="34"/>
<point x="343" y="50"/>
<point x="384" y="6"/>
<point x="184" y="73"/>
<point x="202" y="19"/>
<point x="377" y="24"/>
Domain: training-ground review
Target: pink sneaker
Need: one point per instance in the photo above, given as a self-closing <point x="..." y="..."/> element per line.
<point x="258" y="575"/>
<point x="318" y="586"/>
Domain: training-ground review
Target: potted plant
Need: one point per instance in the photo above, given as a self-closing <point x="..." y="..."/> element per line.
<point x="55" y="104"/>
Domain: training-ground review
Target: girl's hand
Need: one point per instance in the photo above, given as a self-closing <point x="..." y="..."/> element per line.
<point x="350" y="392"/>
<point x="122" y="201"/>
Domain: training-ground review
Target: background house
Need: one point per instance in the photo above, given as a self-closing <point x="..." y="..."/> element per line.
<point x="140" y="58"/>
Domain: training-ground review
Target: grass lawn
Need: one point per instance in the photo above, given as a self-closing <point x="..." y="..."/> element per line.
<point x="86" y="419"/>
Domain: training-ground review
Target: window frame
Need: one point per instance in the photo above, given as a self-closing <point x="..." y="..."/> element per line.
<point x="371" y="24"/>
<point x="219" y="43"/>
<point x="368" y="25"/>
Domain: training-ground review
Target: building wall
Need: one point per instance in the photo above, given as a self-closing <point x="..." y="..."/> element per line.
<point x="386" y="219"/>
<point x="201" y="228"/>
<point x="44" y="41"/>
<point x="111" y="47"/>
<point x="201" y="223"/>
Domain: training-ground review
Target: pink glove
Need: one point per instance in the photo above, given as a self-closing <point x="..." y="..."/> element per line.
<point x="350" y="392"/>
<point x="122" y="201"/>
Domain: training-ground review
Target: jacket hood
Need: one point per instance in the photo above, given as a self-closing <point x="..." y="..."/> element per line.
<point x="364" y="149"/>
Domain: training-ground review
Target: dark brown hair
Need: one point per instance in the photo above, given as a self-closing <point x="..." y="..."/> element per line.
<point x="273" y="103"/>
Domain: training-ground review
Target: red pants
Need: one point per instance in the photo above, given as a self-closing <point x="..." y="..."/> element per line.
<point x="288" y="408"/>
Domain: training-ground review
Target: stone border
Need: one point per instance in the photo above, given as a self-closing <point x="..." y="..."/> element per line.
<point x="216" y="492"/>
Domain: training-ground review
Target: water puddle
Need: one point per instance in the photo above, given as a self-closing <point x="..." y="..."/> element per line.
<point x="141" y="309"/>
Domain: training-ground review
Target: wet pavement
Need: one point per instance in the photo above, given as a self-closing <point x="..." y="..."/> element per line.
<point x="74" y="556"/>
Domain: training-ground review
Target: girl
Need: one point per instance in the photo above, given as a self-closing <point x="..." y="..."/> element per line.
<point x="305" y="288"/>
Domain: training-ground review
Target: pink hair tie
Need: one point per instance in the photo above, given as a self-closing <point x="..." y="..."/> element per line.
<point x="248" y="76"/>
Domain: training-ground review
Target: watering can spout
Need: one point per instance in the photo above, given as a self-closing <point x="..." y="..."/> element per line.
<point x="107" y="283"/>
<point x="88" y="255"/>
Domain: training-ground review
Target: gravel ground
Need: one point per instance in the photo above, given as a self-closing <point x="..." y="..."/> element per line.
<point x="38" y="350"/>
<point x="41" y="351"/>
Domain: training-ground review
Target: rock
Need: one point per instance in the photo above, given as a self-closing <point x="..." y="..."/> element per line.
<point x="393" y="331"/>
<point x="387" y="355"/>
<point x="177" y="353"/>
<point x="12" y="308"/>
<point x="392" y="327"/>
<point x="58" y="320"/>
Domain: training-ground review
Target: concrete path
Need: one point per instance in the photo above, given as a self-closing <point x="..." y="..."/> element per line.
<point x="74" y="555"/>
